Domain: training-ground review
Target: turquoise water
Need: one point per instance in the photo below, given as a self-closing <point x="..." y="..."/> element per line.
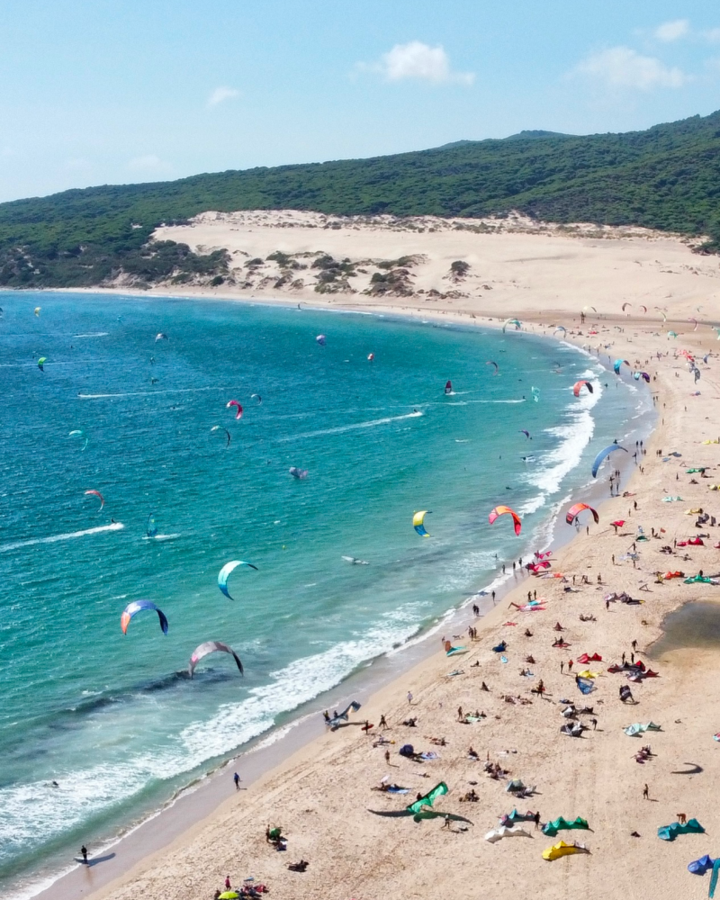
<point x="114" y="719"/>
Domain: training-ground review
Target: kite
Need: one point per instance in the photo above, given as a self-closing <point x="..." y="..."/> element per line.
<point x="298" y="473"/>
<point x="491" y="362"/>
<point x="321" y="339"/>
<point x="643" y="308"/>
<point x="644" y="375"/>
<point x="561" y="328"/>
<point x="418" y="519"/>
<point x="371" y="357"/>
<point x="81" y="434"/>
<point x="212" y="647"/>
<point x="501" y="511"/>
<point x="137" y="606"/>
<point x="151" y="529"/>
<point x="37" y="310"/>
<point x="41" y="363"/>
<point x="514" y="322"/>
<point x="617" y="364"/>
<point x="97" y="494"/>
<point x="625" y="306"/>
<point x="601" y="456"/>
<point x="239" y="413"/>
<point x="259" y="398"/>
<point x="578" y="387"/>
<point x="224" y="574"/>
<point x="575" y="511"/>
<point x="429" y="798"/>
<point x="589" y="307"/>
<point x="448" y="387"/>
<point x="526" y="433"/>
<point x="220" y="428"/>
<point x="161" y="337"/>
<point x="535" y="394"/>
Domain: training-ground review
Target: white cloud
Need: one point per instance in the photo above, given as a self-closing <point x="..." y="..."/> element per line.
<point x="672" y="31"/>
<point x="712" y="35"/>
<point x="146" y="163"/>
<point x="220" y="94"/>
<point x="421" y="62"/>
<point x="624" y="67"/>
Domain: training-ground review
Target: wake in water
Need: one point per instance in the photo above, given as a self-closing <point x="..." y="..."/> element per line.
<point x="116" y="526"/>
<point x="343" y="428"/>
<point x="151" y="393"/>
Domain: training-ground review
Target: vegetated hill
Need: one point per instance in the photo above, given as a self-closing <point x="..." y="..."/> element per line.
<point x="667" y="177"/>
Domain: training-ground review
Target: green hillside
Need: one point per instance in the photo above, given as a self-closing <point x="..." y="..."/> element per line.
<point x="667" y="177"/>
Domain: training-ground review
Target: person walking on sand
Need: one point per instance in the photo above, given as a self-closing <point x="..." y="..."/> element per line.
<point x="83" y="853"/>
<point x="228" y="886"/>
<point x="646" y="793"/>
<point x="236" y="779"/>
<point x="409" y="697"/>
<point x="383" y="722"/>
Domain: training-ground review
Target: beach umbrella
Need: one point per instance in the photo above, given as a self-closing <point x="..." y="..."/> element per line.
<point x="229" y="895"/>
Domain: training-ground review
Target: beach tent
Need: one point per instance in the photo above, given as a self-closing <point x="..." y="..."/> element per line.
<point x="563" y="849"/>
<point x="497" y="834"/>
<point x="670" y="832"/>
<point x="561" y="824"/>
<point x="638" y="728"/>
<point x="517" y="785"/>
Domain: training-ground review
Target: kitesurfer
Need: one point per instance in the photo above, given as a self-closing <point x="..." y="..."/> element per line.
<point x="236" y="779"/>
<point x="84" y="854"/>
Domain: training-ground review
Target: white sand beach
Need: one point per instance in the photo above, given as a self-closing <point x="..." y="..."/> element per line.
<point x="323" y="795"/>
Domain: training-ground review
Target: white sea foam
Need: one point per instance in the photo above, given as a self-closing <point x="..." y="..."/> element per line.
<point x="151" y="393"/>
<point x="116" y="526"/>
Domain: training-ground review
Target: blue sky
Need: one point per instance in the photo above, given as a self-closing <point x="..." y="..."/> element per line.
<point x="119" y="91"/>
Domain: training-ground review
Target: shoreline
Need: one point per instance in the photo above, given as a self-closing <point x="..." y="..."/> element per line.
<point x="324" y="751"/>
<point x="207" y="795"/>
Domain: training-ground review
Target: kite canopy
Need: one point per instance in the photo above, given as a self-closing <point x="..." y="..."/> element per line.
<point x="523" y="431"/>
<point x="418" y="519"/>
<point x="227" y="433"/>
<point x="81" y="434"/>
<point x="601" y="456"/>
<point x="561" y="824"/>
<point x="429" y="798"/>
<point x="41" y="363"/>
<point x="97" y="494"/>
<point x="491" y="362"/>
<point x="224" y="574"/>
<point x="448" y="387"/>
<point x="670" y="832"/>
<point x="625" y="306"/>
<point x="37" y="310"/>
<point x="212" y="647"/>
<point x="514" y="322"/>
<point x="560" y="328"/>
<point x="575" y="511"/>
<point x="618" y="363"/>
<point x="321" y="339"/>
<point x="239" y="413"/>
<point x="563" y="849"/>
<point x="503" y="510"/>
<point x="161" y="337"/>
<point x="644" y="375"/>
<point x="298" y="473"/>
<point x="578" y="387"/>
<point x="137" y="606"/>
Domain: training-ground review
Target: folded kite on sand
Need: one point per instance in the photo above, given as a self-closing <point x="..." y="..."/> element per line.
<point x="638" y="728"/>
<point x="497" y="834"/>
<point x="701" y="866"/>
<point x="670" y="832"/>
<point x="563" y="849"/>
<point x="561" y="824"/>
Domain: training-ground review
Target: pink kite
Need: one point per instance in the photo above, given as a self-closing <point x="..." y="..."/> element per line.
<point x="239" y="408"/>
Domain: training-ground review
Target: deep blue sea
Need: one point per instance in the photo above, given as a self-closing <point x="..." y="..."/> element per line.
<point x="113" y="718"/>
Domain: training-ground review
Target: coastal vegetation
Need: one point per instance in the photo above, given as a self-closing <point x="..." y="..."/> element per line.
<point x="667" y="178"/>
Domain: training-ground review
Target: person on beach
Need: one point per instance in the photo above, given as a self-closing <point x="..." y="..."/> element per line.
<point x="409" y="697"/>
<point x="383" y="722"/>
<point x="84" y="854"/>
<point x="646" y="792"/>
<point x="228" y="886"/>
<point x="236" y="779"/>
